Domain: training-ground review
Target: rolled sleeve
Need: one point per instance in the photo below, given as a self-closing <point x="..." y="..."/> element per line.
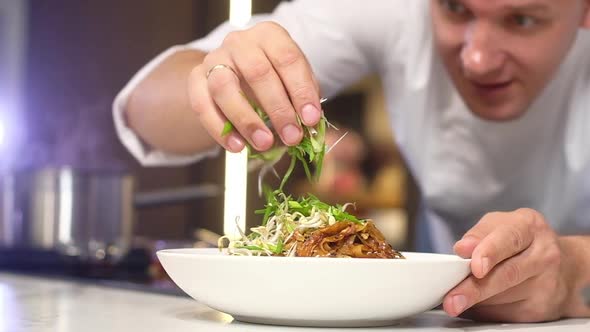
<point x="146" y="155"/>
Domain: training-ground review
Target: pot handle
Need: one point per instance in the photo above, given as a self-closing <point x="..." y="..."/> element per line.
<point x="176" y="196"/>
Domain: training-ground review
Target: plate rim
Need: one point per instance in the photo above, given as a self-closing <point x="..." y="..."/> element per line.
<point x="183" y="252"/>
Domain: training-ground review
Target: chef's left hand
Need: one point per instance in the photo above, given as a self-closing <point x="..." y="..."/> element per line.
<point x="520" y="271"/>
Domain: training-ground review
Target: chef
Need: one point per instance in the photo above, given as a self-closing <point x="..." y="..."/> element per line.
<point x="489" y="102"/>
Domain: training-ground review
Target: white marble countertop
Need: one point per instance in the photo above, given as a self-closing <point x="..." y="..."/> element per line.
<point x="38" y="304"/>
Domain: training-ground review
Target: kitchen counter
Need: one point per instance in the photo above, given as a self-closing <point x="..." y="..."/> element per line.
<point x="40" y="304"/>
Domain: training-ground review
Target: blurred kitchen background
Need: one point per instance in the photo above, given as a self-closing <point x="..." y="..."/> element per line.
<point x="74" y="202"/>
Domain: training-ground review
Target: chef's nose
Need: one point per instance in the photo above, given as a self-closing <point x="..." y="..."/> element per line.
<point x="482" y="54"/>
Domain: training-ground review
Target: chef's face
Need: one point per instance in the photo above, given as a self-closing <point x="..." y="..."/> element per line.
<point x="500" y="54"/>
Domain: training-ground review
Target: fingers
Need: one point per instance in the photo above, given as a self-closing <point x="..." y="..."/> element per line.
<point x="517" y="271"/>
<point x="466" y="245"/>
<point x="473" y="237"/>
<point x="259" y="74"/>
<point x="514" y="236"/>
<point x="504" y="243"/>
<point x="268" y="68"/>
<point x="496" y="237"/>
<point x="515" y="294"/>
<point x="506" y="275"/>
<point x="544" y="265"/>
<point x="296" y="74"/>
<point x="224" y="88"/>
<point x="528" y="310"/>
<point x="509" y="312"/>
<point x="210" y="116"/>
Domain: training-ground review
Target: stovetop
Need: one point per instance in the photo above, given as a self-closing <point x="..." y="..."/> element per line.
<point x="138" y="270"/>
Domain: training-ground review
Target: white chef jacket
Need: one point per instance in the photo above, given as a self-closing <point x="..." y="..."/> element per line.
<point x="465" y="166"/>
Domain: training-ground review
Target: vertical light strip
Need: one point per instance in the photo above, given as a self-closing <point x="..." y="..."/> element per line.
<point x="13" y="39"/>
<point x="236" y="185"/>
<point x="236" y="164"/>
<point x="240" y="12"/>
<point x="66" y="191"/>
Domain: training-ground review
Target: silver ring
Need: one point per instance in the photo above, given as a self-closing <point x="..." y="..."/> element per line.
<point x="219" y="66"/>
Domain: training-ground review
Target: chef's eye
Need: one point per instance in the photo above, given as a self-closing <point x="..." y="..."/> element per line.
<point x="524" y="21"/>
<point x="454" y="7"/>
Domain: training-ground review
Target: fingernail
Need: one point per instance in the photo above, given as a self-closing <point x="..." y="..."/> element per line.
<point x="459" y="303"/>
<point x="261" y="139"/>
<point x="291" y="134"/>
<point x="485" y="266"/>
<point x="310" y="114"/>
<point x="235" y="144"/>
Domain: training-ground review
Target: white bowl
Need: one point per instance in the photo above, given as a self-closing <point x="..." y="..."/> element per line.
<point x="308" y="291"/>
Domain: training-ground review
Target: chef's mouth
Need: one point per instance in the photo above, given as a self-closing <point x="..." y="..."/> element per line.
<point x="493" y="86"/>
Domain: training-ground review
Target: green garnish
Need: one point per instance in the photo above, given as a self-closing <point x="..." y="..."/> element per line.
<point x="309" y="152"/>
<point x="278" y="202"/>
<point x="227" y="128"/>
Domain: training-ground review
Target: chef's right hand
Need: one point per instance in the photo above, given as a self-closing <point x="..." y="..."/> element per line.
<point x="265" y="66"/>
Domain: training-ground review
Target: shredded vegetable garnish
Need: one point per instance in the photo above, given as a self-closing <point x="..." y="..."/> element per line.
<point x="309" y="152"/>
<point x="305" y="226"/>
<point x="309" y="227"/>
<point x="282" y="216"/>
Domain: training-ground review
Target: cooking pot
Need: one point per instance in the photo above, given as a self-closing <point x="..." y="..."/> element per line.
<point x="86" y="214"/>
